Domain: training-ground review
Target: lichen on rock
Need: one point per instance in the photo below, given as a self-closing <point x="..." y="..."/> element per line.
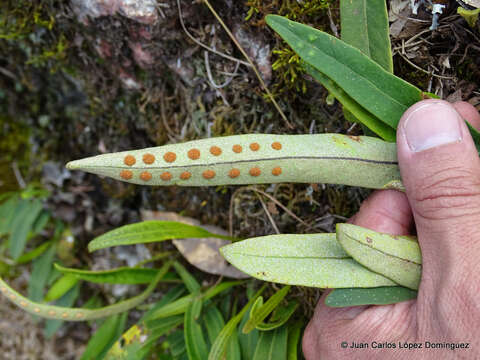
<point x="143" y="11"/>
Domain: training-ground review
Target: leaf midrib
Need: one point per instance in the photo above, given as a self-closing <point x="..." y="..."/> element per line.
<point x="383" y="252"/>
<point x="291" y="257"/>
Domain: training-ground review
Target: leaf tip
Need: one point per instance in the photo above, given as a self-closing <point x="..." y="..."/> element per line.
<point x="91" y="247"/>
<point x="73" y="165"/>
<point x="270" y="19"/>
<point x="224" y="251"/>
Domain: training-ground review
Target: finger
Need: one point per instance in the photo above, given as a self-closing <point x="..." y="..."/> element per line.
<point x="385" y="211"/>
<point x="468" y="112"/>
<point x="440" y="169"/>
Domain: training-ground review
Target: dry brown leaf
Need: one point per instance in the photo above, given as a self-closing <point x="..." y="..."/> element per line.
<point x="203" y="253"/>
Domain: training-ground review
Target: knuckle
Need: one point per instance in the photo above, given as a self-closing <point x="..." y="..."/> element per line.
<point x="448" y="193"/>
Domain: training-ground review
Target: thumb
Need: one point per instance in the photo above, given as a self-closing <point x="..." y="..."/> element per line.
<point x="440" y="168"/>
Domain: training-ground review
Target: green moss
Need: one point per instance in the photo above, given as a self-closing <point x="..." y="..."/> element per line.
<point x="14" y="146"/>
<point x="55" y="54"/>
<point x="21" y="18"/>
<point x="14" y="143"/>
<point x="468" y="70"/>
<point x="293" y="9"/>
<point x="417" y="78"/>
<point x="31" y="26"/>
<point x="287" y="64"/>
<point x="290" y="71"/>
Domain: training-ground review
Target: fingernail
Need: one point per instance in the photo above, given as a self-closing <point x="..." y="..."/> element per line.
<point x="432" y="124"/>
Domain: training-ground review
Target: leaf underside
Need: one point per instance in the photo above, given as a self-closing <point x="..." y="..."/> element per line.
<point x="315" y="260"/>
<point x="369" y="296"/>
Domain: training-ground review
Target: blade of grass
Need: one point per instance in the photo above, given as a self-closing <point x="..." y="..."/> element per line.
<point x="122" y="275"/>
<point x="60" y="287"/>
<point x="257" y="315"/>
<point x="219" y="347"/>
<point x="194" y="340"/>
<point x="149" y="231"/>
<point x="102" y="337"/>
<point x="272" y="345"/>
<point x="23" y="223"/>
<point x="294" y="332"/>
<point x="190" y="282"/>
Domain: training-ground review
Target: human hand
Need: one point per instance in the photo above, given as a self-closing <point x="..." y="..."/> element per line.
<point x="440" y="169"/>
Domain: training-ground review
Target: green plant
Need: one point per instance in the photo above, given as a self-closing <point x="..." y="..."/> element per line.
<point x="385" y="269"/>
<point x="358" y="82"/>
<point x="198" y="310"/>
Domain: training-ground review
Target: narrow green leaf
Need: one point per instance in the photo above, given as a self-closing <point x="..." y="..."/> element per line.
<point x="315" y="260"/>
<point x="256" y="306"/>
<point x="233" y="347"/>
<point x="122" y="275"/>
<point x="396" y="257"/>
<point x="214" y="322"/>
<point x="405" y="247"/>
<point x="364" y="25"/>
<point x="280" y="316"/>
<point x="147" y="232"/>
<point x="60" y="287"/>
<point x="190" y="282"/>
<point x="23" y="223"/>
<point x="381" y="93"/>
<point x="42" y="267"/>
<point x="219" y="347"/>
<point x="180" y="306"/>
<point x="162" y="327"/>
<point x="248" y="342"/>
<point x="33" y="254"/>
<point x="361" y="115"/>
<point x="177" y="344"/>
<point x="118" y="334"/>
<point x="217" y="289"/>
<point x="373" y="296"/>
<point x="172" y="295"/>
<point x="102" y="337"/>
<point x="67" y="300"/>
<point x="294" y="332"/>
<point x="8" y="211"/>
<point x="194" y="340"/>
<point x="257" y="315"/>
<point x="7" y="195"/>
<point x="41" y="221"/>
<point x="272" y="345"/>
<point x="176" y="307"/>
